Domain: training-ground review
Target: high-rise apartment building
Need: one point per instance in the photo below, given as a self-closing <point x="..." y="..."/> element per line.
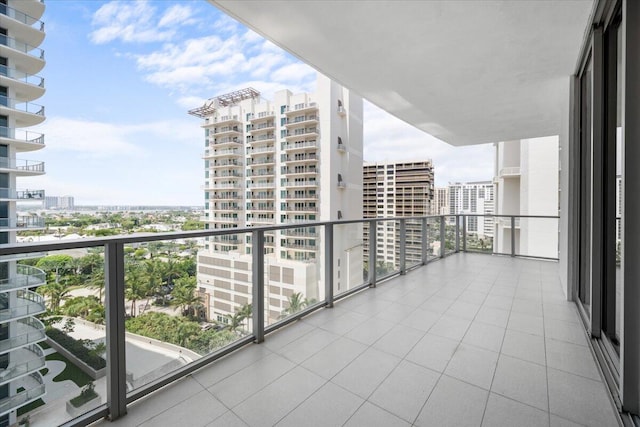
<point x="21" y="32"/>
<point x="397" y="189"/>
<point x="59" y="202"/>
<point x="294" y="159"/>
<point x="473" y="198"/>
<point x="441" y="201"/>
<point x="527" y="183"/>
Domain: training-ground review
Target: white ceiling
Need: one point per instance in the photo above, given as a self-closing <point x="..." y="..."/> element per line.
<point x="466" y="72"/>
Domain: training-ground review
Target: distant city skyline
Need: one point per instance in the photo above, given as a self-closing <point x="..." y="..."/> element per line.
<point x="122" y="75"/>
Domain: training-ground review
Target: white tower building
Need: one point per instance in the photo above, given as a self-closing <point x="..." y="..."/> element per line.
<point x="295" y="159"/>
<point x="21" y="32"/>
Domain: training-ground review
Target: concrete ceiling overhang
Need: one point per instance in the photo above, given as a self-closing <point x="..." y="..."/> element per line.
<point x="466" y="72"/>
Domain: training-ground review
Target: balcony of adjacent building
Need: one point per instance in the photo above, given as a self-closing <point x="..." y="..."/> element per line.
<point x="22" y="26"/>
<point x="9" y="194"/>
<point x="266" y="207"/>
<point x="31" y="8"/>
<point x="24" y="57"/>
<point x="256" y="184"/>
<point x="300" y="195"/>
<point x="222" y="121"/>
<point x="301" y="207"/>
<point x="263" y="158"/>
<point x="300" y="108"/>
<point x="291" y="147"/>
<point x="27" y="331"/>
<point x="302" y="120"/>
<point x="227" y="142"/>
<point x="25" y="87"/>
<point x="261" y="116"/>
<point x="26" y="277"/>
<point x="255" y="171"/>
<point x="299" y="170"/>
<point x="302" y="133"/>
<point x="25" y="113"/>
<point x="21" y="304"/>
<point x="20" y="139"/>
<point x="260" y="128"/>
<point x="300" y="158"/>
<point x="22" y="222"/>
<point x="310" y="183"/>
<point x="22" y="361"/>
<point x="260" y="195"/>
<point x="259" y="150"/>
<point x="226" y="195"/>
<point x="32" y="388"/>
<point x="221" y="153"/>
<point x="227" y="164"/>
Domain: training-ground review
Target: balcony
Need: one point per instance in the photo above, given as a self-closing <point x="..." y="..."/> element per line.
<point x="26" y="86"/>
<point x="25" y="113"/>
<point x="27" y="303"/>
<point x="24" y="361"/>
<point x="475" y="337"/>
<point x="22" y="195"/>
<point x="289" y="147"/>
<point x="307" y="120"/>
<point x="27" y="331"/>
<point x="35" y="389"/>
<point x="25" y="57"/>
<point x="226" y="120"/>
<point x="26" y="28"/>
<point x="301" y="108"/>
<point x="21" y="223"/>
<point x="26" y="277"/>
<point x="304" y="183"/>
<point x="261" y="116"/>
<point x="302" y="133"/>
<point x="227" y="164"/>
<point x="22" y="140"/>
<point x="261" y="184"/>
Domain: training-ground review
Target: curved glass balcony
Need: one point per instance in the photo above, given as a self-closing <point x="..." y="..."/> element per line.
<point x="26" y="277"/>
<point x="23" y="361"/>
<point x="28" y="331"/>
<point x="22" y="140"/>
<point x="22" y="167"/>
<point x="22" y="222"/>
<point x="27" y="303"/>
<point x="12" y="194"/>
<point x="33" y="390"/>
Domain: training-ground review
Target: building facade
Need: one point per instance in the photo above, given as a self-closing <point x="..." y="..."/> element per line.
<point x="59" y="202"/>
<point x="20" y="61"/>
<point x="397" y="189"/>
<point x="294" y="159"/>
<point x="441" y="201"/>
<point x="473" y="198"/>
<point x="527" y="183"/>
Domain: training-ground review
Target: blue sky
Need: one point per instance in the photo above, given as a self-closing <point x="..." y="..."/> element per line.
<point x="121" y="75"/>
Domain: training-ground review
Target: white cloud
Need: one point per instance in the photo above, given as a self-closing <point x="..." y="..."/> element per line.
<point x="177" y="15"/>
<point x="137" y="22"/>
<point x="387" y="138"/>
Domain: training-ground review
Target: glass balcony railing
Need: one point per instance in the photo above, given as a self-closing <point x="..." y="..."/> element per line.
<point x="251" y="281"/>
<point x="28" y="331"/>
<point x="22" y="222"/>
<point x="26" y="277"/>
<point x="21" y="17"/>
<point x="14" y="74"/>
<point x="10" y="193"/>
<point x="23" y="361"/>
<point x="21" y="165"/>
<point x="27" y="303"/>
<point x="21" y="398"/>
<point x="21" y="135"/>
<point x="26" y="107"/>
<point x="21" y="47"/>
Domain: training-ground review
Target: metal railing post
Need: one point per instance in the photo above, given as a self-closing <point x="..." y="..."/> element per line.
<point x="372" y="253"/>
<point x="457" y="233"/>
<point x="464" y="233"/>
<point x="425" y="241"/>
<point x="115" y="330"/>
<point x="403" y="246"/>
<point x="513" y="236"/>
<point x="257" y="252"/>
<point x="442" y="236"/>
<point x="328" y="265"/>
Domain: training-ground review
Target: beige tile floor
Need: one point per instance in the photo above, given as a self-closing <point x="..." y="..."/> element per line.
<point x="470" y="340"/>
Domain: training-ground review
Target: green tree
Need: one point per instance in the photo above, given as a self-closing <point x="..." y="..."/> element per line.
<point x="57" y="265"/>
<point x="56" y="292"/>
<point x="137" y="286"/>
<point x="295" y="303"/>
<point x="185" y="297"/>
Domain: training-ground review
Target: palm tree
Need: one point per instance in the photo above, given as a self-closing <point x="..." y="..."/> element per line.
<point x="184" y="295"/>
<point x="96" y="281"/>
<point x="136" y="286"/>
<point x="56" y="291"/>
<point x="296" y="302"/>
<point x="233" y="321"/>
